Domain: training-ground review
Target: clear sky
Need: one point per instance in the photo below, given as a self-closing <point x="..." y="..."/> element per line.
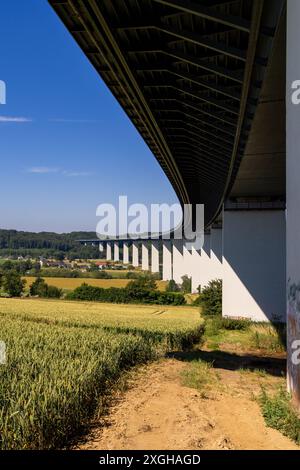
<point x="65" y="143"/>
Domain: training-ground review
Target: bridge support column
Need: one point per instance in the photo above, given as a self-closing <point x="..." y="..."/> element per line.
<point x="135" y="254"/>
<point x="201" y="265"/>
<point x="145" y="256"/>
<point x="155" y="256"/>
<point x="167" y="260"/>
<point x="178" y="261"/>
<point x="254" y="264"/>
<point x="188" y="261"/>
<point x="125" y="253"/>
<point x="108" y="251"/>
<point x="216" y="254"/>
<point x="101" y="247"/>
<point x="116" y="251"/>
<point x="293" y="203"/>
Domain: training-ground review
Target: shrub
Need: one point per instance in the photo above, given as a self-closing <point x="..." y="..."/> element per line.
<point x="171" y="298"/>
<point x="197" y="301"/>
<point x="40" y="288"/>
<point x="125" y="295"/>
<point x="279" y="414"/>
<point x="172" y="286"/>
<point x="132" y="275"/>
<point x="13" y="284"/>
<point x="53" y="292"/>
<point x="233" y="324"/>
<point x="103" y="275"/>
<point x="211" y="299"/>
<point x="143" y="275"/>
<point x="142" y="283"/>
<point x="156" y="276"/>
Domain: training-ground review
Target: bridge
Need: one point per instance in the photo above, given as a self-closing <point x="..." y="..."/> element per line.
<point x="204" y="82"/>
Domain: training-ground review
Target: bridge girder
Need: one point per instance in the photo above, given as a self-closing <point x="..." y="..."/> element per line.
<point x="200" y="65"/>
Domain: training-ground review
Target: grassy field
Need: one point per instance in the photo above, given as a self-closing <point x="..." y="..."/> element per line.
<point x="118" y="274"/>
<point x="63" y="358"/>
<point x="220" y="334"/>
<point x="72" y="283"/>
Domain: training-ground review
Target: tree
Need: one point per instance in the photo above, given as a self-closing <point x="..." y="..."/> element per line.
<point x="211" y="298"/>
<point x="143" y="283"/>
<point x="7" y="265"/>
<point x="13" y="284"/>
<point x="172" y="286"/>
<point x="38" y="287"/>
<point x="23" y="266"/>
<point x="186" y="285"/>
<point x="53" y="292"/>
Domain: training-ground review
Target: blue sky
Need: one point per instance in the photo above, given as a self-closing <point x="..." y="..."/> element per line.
<point x="73" y="147"/>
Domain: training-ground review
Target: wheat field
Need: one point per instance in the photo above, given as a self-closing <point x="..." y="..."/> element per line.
<point x="64" y="357"/>
<point x="72" y="283"/>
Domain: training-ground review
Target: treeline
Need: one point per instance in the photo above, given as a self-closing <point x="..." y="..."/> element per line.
<point x="22" y="267"/>
<point x="47" y="244"/>
<point x="143" y="290"/>
<point x="136" y="292"/>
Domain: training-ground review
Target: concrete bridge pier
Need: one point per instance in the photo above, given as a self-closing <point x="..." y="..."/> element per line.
<point x="145" y="256"/>
<point x="101" y="247"/>
<point x="125" y="253"/>
<point x="216" y="240"/>
<point x="196" y="266"/>
<point x="254" y="264"/>
<point x="188" y="261"/>
<point x="205" y="265"/>
<point x="201" y="265"/>
<point x="135" y="254"/>
<point x="293" y="201"/>
<point x="116" y="251"/>
<point x="178" y="261"/>
<point x="155" y="256"/>
<point x="108" y="251"/>
<point x="167" y="260"/>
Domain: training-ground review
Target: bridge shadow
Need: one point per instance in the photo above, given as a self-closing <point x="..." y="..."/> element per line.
<point x="275" y="366"/>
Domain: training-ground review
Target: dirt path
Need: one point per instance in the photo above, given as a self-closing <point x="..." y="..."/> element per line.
<point x="159" y="412"/>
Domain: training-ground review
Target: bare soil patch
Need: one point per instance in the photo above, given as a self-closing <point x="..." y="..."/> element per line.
<point x="158" y="411"/>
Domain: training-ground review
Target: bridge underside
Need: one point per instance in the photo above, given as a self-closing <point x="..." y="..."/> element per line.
<point x="190" y="74"/>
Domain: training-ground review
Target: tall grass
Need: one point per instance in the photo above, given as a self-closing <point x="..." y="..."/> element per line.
<point x="270" y="337"/>
<point x="248" y="335"/>
<point x="279" y="414"/>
